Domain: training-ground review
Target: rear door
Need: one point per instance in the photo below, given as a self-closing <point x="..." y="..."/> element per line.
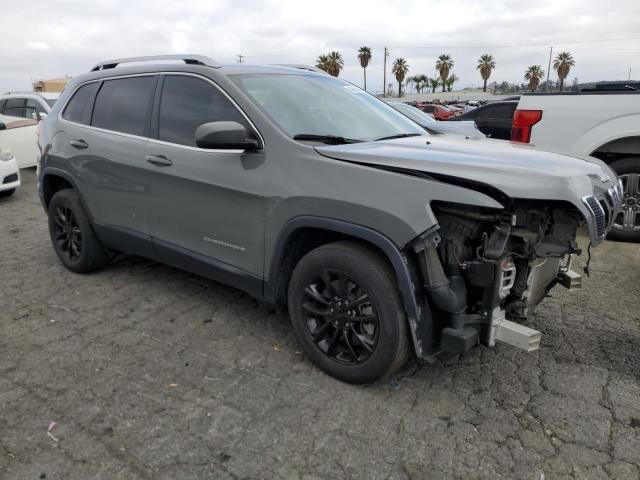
<point x="204" y="204"/>
<point x="105" y="128"/>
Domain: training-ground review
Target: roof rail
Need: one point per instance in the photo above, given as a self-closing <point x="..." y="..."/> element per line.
<point x="188" y="59"/>
<point x="310" y="68"/>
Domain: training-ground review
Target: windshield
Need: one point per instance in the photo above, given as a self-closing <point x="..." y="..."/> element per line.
<point x="414" y="114"/>
<point x="324" y="106"/>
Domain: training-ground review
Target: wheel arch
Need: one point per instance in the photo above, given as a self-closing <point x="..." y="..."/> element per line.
<point x="621" y="147"/>
<point x="302" y="234"/>
<point x="52" y="181"/>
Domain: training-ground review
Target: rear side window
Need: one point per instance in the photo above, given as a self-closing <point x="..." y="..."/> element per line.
<point x="187" y="103"/>
<point x="496" y="111"/>
<point x="79" y="108"/>
<point x="122" y="104"/>
<point x="15" y="107"/>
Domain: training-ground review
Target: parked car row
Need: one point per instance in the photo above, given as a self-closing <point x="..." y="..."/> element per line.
<point x="382" y="239"/>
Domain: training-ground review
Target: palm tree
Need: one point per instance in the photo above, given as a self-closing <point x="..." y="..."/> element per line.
<point x="486" y="64"/>
<point x="534" y="74"/>
<point x="323" y="63"/>
<point x="419" y="81"/>
<point x="450" y="81"/>
<point x="336" y="64"/>
<point x="434" y="83"/>
<point x="562" y="64"/>
<point x="443" y="65"/>
<point x="424" y="81"/>
<point x="400" y="69"/>
<point x="364" y="55"/>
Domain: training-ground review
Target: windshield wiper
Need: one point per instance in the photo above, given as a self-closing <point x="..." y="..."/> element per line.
<point x="399" y="135"/>
<point x="328" y="139"/>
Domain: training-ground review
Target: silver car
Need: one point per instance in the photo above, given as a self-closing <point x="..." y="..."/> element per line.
<point x="305" y="191"/>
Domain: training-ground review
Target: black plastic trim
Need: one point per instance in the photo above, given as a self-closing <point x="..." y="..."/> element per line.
<point x="392" y="252"/>
<point x="137" y="243"/>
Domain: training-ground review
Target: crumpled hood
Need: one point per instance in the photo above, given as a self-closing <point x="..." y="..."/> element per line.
<point x="518" y="170"/>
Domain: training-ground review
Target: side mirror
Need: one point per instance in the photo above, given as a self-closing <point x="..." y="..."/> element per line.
<point x="225" y="135"/>
<point x="3" y="126"/>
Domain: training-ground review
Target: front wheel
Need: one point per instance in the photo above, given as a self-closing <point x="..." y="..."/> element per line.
<point x="626" y="226"/>
<point x="7" y="193"/>
<point x="346" y="312"/>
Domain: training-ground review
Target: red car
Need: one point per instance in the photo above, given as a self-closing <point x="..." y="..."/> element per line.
<point x="437" y="111"/>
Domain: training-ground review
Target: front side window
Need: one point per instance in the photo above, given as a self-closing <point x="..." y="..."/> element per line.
<point x="319" y="105"/>
<point x="188" y="102"/>
<point x="122" y="104"/>
<point x="79" y="107"/>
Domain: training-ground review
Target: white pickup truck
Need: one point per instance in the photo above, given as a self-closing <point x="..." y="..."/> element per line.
<point x="600" y="123"/>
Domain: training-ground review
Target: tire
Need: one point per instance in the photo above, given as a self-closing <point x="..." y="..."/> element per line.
<point x="7" y="193"/>
<point x="72" y="235"/>
<point x="368" y="322"/>
<point x="628" y="169"/>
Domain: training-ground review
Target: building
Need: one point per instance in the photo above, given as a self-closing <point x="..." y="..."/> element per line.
<point x="51" y="85"/>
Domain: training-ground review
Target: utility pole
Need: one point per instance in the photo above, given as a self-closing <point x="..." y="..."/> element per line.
<point x="629" y="74"/>
<point x="384" y="81"/>
<point x="240" y="57"/>
<point x="546" y="87"/>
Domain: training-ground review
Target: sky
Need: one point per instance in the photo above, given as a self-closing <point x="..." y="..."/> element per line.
<point x="53" y="38"/>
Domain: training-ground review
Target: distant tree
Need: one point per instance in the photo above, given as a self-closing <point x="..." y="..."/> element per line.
<point x="562" y="65"/>
<point x="450" y="81"/>
<point x="434" y="83"/>
<point x="364" y="55"/>
<point x="336" y="64"/>
<point x="443" y="65"/>
<point x="486" y="64"/>
<point x="400" y="69"/>
<point x="534" y="74"/>
<point x="323" y="63"/>
<point x="419" y="82"/>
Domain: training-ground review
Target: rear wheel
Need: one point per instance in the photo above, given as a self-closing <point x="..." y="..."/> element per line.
<point x="346" y="312"/>
<point x="72" y="236"/>
<point x="626" y="226"/>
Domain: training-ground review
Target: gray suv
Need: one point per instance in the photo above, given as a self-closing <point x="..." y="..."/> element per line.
<point x="305" y="191"/>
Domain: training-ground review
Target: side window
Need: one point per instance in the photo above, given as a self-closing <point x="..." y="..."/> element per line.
<point x="15" y="107"/>
<point x="122" y="104"/>
<point x="2" y="104"/>
<point x="496" y="111"/>
<point x="79" y="107"/>
<point x="188" y="102"/>
<point x="33" y="107"/>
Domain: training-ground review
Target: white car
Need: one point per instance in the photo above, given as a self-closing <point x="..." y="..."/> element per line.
<point x="20" y="136"/>
<point x="9" y="172"/>
<point x="34" y="105"/>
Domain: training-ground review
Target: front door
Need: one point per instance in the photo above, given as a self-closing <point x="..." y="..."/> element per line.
<point x="205" y="206"/>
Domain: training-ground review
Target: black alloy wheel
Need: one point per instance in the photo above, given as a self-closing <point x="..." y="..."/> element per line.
<point x="341" y="318"/>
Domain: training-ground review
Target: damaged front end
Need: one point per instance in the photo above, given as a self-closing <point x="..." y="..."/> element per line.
<point x="483" y="270"/>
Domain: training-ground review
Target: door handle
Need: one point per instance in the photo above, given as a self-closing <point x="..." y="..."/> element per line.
<point x="158" y="160"/>
<point x="79" y="144"/>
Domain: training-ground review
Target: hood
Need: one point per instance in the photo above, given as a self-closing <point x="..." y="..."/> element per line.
<point x="518" y="170"/>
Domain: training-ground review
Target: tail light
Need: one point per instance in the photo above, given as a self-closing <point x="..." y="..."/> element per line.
<point x="523" y="120"/>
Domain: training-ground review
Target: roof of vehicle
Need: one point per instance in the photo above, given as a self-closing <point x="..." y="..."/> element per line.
<point x="161" y="62"/>
<point x="45" y="95"/>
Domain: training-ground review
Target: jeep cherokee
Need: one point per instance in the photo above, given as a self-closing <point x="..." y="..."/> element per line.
<point x="304" y="190"/>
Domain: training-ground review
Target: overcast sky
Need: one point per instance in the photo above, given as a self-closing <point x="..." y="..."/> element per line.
<point x="43" y="39"/>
